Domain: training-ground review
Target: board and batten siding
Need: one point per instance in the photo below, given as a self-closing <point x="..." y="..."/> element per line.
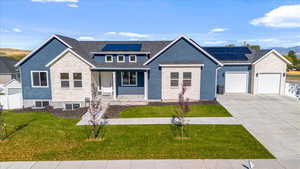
<point x="270" y="64"/>
<point x="70" y="63"/>
<point x="171" y="93"/>
<point x="233" y="68"/>
<point x="37" y="62"/>
<point x="183" y="51"/>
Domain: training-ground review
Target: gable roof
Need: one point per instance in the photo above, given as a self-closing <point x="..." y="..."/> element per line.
<point x="188" y="40"/>
<point x="66" y="51"/>
<point x="271" y="51"/>
<point x="7" y="65"/>
<point x="220" y="55"/>
<point x="43" y="44"/>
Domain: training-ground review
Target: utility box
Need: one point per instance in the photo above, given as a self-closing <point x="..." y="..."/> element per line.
<point x="220" y="89"/>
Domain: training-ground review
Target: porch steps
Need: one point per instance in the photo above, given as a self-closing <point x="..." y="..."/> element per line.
<point x="124" y="100"/>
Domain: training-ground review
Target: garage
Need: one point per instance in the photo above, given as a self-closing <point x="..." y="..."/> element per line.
<point x="236" y="82"/>
<point x="269" y="83"/>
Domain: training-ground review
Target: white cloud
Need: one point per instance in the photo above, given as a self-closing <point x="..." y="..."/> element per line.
<point x="70" y="1"/>
<point x="110" y="33"/>
<point x="218" y="30"/>
<point x="131" y="34"/>
<point x="86" y="38"/>
<point x="219" y="42"/>
<point x="287" y="16"/>
<point x="133" y="39"/>
<point x="128" y="34"/>
<point x="17" y="30"/>
<point x="72" y="5"/>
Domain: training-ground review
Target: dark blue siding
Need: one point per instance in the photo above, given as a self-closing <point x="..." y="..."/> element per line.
<point x="130" y="90"/>
<point x="140" y="58"/>
<point x="37" y="62"/>
<point x="236" y="68"/>
<point x="183" y="51"/>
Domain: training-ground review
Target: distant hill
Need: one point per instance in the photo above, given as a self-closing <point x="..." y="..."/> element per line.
<point x="286" y="50"/>
<point x="13" y="53"/>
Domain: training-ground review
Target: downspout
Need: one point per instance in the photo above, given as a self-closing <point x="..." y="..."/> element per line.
<point x="216" y="81"/>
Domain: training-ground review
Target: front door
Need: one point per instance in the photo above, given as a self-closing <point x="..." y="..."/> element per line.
<point x="106" y="83"/>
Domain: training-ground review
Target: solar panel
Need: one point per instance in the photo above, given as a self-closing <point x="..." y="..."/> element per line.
<point x="229" y="53"/>
<point x="122" y="47"/>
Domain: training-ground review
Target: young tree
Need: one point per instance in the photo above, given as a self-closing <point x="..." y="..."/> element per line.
<point x="3" y="131"/>
<point x="94" y="111"/>
<point x="181" y="110"/>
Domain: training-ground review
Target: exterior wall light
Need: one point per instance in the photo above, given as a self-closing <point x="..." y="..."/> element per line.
<point x="283" y="74"/>
<point x="256" y="74"/>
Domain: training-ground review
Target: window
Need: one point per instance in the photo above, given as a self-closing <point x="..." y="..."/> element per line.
<point x="174" y="79"/>
<point x="72" y="106"/>
<point x="77" y="77"/>
<point x="64" y="80"/>
<point x="41" y="104"/>
<point x="108" y="58"/>
<point x="39" y="79"/>
<point x="120" y="58"/>
<point x="132" y="58"/>
<point x="129" y="78"/>
<point x="187" y="79"/>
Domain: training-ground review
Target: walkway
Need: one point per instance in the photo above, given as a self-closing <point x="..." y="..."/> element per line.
<point x="144" y="164"/>
<point x="141" y="121"/>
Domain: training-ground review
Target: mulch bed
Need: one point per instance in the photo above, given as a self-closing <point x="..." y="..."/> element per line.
<point x="77" y="113"/>
<point x="113" y="110"/>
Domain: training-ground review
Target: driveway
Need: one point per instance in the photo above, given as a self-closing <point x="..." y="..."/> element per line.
<point x="273" y="120"/>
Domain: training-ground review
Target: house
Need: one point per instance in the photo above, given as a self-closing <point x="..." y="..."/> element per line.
<point x="62" y="71"/>
<point x="7" y="70"/>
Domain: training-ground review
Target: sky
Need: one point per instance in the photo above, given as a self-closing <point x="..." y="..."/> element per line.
<point x="25" y="24"/>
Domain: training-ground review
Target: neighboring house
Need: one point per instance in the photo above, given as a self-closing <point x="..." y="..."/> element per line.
<point x="11" y="95"/>
<point x="7" y="70"/>
<point x="62" y="71"/>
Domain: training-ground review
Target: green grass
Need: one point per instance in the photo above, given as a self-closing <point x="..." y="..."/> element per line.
<point x="209" y="110"/>
<point x="42" y="136"/>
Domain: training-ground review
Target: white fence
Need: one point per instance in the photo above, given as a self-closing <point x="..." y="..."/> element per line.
<point x="292" y="89"/>
<point x="12" y="99"/>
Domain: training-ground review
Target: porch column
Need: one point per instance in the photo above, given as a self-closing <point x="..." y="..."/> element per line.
<point x="114" y="86"/>
<point x="146" y="85"/>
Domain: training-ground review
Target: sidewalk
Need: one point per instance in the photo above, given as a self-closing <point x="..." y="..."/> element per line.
<point x="145" y="164"/>
<point x="141" y="121"/>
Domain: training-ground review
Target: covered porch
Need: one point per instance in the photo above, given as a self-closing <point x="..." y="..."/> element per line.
<point x="121" y="84"/>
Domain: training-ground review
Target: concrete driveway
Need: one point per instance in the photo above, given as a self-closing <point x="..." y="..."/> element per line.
<point x="273" y="120"/>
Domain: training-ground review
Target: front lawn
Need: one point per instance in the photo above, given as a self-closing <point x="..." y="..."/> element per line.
<point x="43" y="136"/>
<point x="197" y="110"/>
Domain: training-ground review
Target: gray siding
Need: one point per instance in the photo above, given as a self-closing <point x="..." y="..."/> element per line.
<point x="233" y="68"/>
<point x="37" y="62"/>
<point x="183" y="51"/>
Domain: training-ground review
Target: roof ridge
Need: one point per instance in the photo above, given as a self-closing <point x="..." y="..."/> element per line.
<point x="128" y="41"/>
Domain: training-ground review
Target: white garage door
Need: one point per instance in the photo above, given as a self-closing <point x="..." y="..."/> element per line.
<point x="268" y="83"/>
<point x="236" y="82"/>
